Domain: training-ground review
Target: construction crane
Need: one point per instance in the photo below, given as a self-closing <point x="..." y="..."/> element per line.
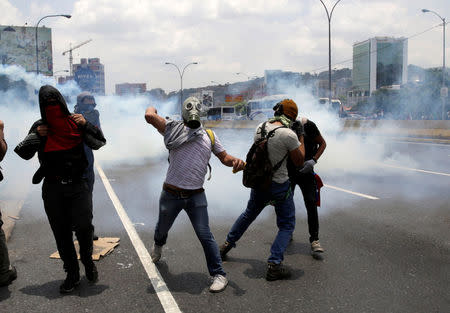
<point x="70" y="53"/>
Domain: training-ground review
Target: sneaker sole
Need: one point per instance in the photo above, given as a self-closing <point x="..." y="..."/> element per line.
<point x="271" y="278"/>
<point x="155" y="260"/>
<point x="65" y="291"/>
<point x="318" y="255"/>
<point x="92" y="282"/>
<point x="220" y="290"/>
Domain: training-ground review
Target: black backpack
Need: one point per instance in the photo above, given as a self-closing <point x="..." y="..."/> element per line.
<point x="258" y="170"/>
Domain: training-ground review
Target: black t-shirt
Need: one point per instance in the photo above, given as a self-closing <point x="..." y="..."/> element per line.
<point x="311" y="132"/>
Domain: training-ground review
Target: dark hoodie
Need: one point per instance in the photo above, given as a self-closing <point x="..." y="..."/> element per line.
<point x="89" y="112"/>
<point x="61" y="154"/>
<point x="92" y="116"/>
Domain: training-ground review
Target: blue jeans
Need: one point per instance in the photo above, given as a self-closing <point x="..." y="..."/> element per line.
<point x="196" y="208"/>
<point x="281" y="196"/>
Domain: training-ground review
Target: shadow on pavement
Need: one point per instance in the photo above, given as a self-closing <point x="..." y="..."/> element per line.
<point x="296" y="247"/>
<point x="190" y="282"/>
<point x="258" y="268"/>
<point x="50" y="290"/>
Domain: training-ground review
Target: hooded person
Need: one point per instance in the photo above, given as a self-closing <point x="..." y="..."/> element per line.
<point x="58" y="138"/>
<point x="190" y="147"/>
<point x="86" y="106"/>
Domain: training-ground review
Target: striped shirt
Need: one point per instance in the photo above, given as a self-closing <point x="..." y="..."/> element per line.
<point x="188" y="163"/>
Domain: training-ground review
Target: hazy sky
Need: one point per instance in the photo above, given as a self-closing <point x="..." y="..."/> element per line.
<point x="133" y="38"/>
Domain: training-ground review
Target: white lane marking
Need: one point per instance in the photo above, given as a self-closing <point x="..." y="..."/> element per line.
<point x="162" y="291"/>
<point x="352" y="192"/>
<point x="414" y="169"/>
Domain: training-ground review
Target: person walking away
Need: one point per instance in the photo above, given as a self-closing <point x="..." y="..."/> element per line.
<point x="190" y="148"/>
<point x="58" y="139"/>
<point x="282" y="142"/>
<point x="8" y="273"/>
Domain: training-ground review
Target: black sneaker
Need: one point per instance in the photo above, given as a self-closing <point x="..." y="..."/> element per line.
<point x="10" y="277"/>
<point x="224" y="249"/>
<point x="72" y="280"/>
<point x="276" y="271"/>
<point x="91" y="273"/>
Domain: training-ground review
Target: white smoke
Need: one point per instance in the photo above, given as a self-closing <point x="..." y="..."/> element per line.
<point x="130" y="140"/>
<point x="133" y="144"/>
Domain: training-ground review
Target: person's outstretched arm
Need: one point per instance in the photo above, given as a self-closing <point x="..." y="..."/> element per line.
<point x="152" y="117"/>
<point x="231" y="161"/>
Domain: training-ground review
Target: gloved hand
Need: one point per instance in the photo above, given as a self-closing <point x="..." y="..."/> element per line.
<point x="297" y="127"/>
<point x="308" y="167"/>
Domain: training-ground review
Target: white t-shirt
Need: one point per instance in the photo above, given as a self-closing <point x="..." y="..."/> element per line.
<point x="281" y="143"/>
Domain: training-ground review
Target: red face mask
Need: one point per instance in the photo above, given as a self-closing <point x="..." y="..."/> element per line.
<point x="63" y="133"/>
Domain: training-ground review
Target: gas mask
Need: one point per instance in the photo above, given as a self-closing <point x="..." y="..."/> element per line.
<point x="278" y="109"/>
<point x="191" y="112"/>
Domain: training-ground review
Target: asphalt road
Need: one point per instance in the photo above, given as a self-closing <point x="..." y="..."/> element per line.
<point x="391" y="254"/>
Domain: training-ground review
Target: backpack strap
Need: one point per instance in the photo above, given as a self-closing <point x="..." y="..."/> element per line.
<point x="278" y="165"/>
<point x="263" y="130"/>
<point x="211" y="136"/>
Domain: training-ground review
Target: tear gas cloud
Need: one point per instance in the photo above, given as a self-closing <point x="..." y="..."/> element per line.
<point x="132" y="142"/>
<point x="18" y="110"/>
<point x="129" y="138"/>
<point x="346" y="154"/>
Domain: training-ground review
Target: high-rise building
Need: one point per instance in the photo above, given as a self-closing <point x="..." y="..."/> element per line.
<point x="90" y="75"/>
<point x="130" y="89"/>
<point x="379" y="62"/>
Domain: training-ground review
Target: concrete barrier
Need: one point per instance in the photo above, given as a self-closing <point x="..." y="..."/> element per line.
<point x="400" y="128"/>
<point x="437" y="130"/>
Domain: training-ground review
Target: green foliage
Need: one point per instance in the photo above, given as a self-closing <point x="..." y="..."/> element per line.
<point x="241" y="108"/>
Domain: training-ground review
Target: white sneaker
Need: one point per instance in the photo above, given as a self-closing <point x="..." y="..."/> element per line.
<point x="156" y="253"/>
<point x="316" y="247"/>
<point x="219" y="284"/>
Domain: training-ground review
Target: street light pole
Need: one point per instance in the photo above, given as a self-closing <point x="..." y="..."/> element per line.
<point x="443" y="95"/>
<point x="36" y="37"/>
<point x="181" y="80"/>
<point x="329" y="15"/>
